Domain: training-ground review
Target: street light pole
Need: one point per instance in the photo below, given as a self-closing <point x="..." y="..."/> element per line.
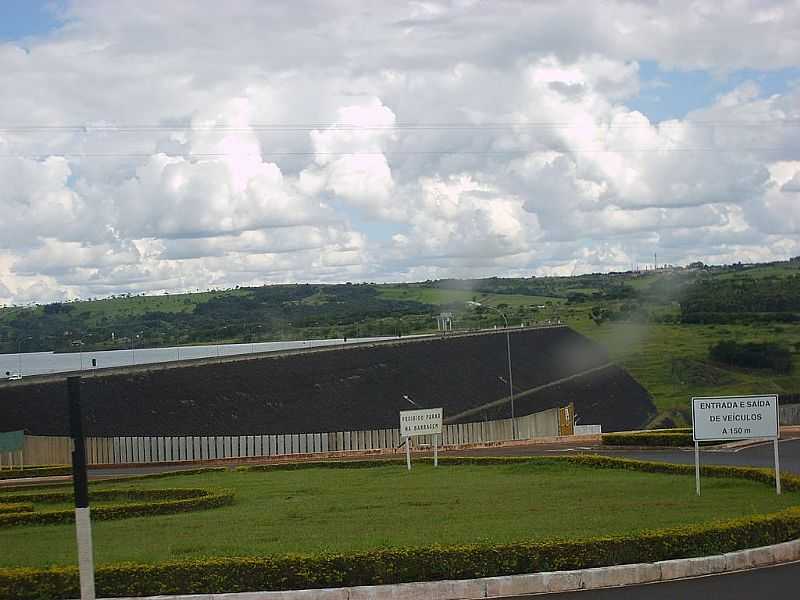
<point x="508" y="352"/>
<point x="19" y="353"/>
<point x="510" y="379"/>
<point x="133" y="346"/>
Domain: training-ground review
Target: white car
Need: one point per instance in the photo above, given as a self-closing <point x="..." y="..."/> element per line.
<point x="14" y="376"/>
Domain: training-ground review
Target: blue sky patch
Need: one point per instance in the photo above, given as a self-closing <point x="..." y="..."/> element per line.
<point x="671" y="94"/>
<point x="25" y="18"/>
<point x="376" y="229"/>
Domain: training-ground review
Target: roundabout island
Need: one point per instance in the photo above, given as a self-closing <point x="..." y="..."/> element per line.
<point x="344" y="525"/>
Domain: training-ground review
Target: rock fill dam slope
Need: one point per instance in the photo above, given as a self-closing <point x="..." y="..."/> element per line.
<point x="346" y="388"/>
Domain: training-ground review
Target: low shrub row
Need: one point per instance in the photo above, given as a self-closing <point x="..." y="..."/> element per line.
<point x="121" y="493"/>
<point x="790" y="483"/>
<point x="15" y="507"/>
<point x="156" y="502"/>
<point x="649" y="438"/>
<point x="386" y="566"/>
<point x="655" y="437"/>
<point x="387" y="462"/>
<point x="44" y="471"/>
<point x="126" y="478"/>
<point x="181" y="472"/>
<point x="326" y="464"/>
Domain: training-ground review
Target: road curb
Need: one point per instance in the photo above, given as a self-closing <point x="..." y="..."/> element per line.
<point x="533" y="583"/>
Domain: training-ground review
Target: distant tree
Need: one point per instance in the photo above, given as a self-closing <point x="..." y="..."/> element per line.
<point x="577" y="297"/>
<point x="599" y="314"/>
<point x="753" y="355"/>
<point x="56" y="308"/>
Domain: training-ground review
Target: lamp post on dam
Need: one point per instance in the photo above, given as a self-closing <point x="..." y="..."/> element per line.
<point x="508" y="352"/>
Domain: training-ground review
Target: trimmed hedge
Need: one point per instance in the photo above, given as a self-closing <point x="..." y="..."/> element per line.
<point x="124" y="479"/>
<point x="656" y="437"/>
<point x="660" y="438"/>
<point x="44" y="471"/>
<point x="163" y="474"/>
<point x="161" y="502"/>
<point x="789" y="483"/>
<point x="398" y="565"/>
<point x="110" y="494"/>
<point x="15" y="507"/>
<point x="329" y="464"/>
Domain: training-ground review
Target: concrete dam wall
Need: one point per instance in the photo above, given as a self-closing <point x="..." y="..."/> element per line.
<point x="340" y="389"/>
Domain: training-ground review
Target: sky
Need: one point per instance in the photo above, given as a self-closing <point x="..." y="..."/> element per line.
<point x="151" y="147"/>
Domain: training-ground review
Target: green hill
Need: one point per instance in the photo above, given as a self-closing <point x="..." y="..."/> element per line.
<point x="658" y="324"/>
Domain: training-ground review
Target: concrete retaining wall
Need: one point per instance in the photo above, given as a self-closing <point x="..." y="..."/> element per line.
<point x="534" y="583"/>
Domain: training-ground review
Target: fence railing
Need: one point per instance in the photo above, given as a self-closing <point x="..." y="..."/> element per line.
<point x="48" y="450"/>
<point x="790" y="414"/>
<point x="588" y="429"/>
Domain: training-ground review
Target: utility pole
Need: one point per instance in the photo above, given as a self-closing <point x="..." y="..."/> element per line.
<point x="80" y="483"/>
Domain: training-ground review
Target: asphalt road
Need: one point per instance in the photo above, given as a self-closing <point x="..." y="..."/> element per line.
<point x="757" y="455"/>
<point x="771" y="582"/>
<point x="760" y="455"/>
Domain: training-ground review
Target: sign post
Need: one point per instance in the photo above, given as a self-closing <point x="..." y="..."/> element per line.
<point x="697" y="467"/>
<point x="427" y="421"/>
<point x="777" y="468"/>
<point x="80" y="483"/>
<point x="728" y="418"/>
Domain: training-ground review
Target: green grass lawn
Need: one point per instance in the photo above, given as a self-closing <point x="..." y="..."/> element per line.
<point x="316" y="510"/>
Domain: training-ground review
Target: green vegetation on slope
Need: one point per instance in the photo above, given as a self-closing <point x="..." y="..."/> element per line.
<point x="671" y="361"/>
<point x="743" y="299"/>
<point x="245" y="314"/>
<point x="456" y="299"/>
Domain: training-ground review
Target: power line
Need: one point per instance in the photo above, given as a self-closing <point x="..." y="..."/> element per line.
<point x="398" y="127"/>
<point x="337" y="126"/>
<point x="522" y="152"/>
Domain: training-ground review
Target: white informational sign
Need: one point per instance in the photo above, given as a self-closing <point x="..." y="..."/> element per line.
<point x="735" y="418"/>
<point x="427" y="421"/>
